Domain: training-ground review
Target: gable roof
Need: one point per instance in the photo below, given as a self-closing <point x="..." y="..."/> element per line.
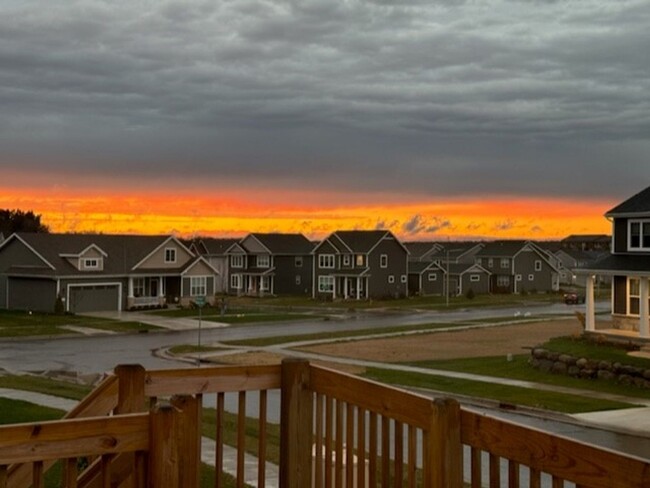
<point x="419" y="249"/>
<point x="214" y="246"/>
<point x="636" y="204"/>
<point x="123" y="251"/>
<point x="278" y="243"/>
<point x="580" y="238"/>
<point x="504" y="248"/>
<point x="419" y="267"/>
<point x="462" y="268"/>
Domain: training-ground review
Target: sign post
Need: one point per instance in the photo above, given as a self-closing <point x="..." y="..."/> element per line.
<point x="200" y="302"/>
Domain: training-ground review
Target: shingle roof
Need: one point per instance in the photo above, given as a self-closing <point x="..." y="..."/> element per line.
<point x="216" y="246"/>
<point x="361" y="241"/>
<point x="419" y="249"/>
<point x="285" y="243"/>
<point x="616" y="263"/>
<point x="124" y="251"/>
<point x="639" y="203"/>
<point x="579" y="238"/>
<point x="505" y="248"/>
<point x="419" y="267"/>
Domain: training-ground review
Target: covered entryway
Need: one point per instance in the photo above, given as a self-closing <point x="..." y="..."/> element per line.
<point x="94" y="298"/>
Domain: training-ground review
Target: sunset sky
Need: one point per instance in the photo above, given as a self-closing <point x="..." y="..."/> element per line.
<point x="434" y="119"/>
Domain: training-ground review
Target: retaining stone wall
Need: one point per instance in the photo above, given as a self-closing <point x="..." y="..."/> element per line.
<point x="553" y="362"/>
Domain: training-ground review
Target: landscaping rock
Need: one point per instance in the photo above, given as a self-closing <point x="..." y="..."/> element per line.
<point x="573" y="371"/>
<point x="559" y="367"/>
<point x="567" y="359"/>
<point x="581" y="363"/>
<point x="605" y="365"/>
<point x="603" y="374"/>
<point x="545" y="365"/>
<point x="625" y="379"/>
<point x="540" y="353"/>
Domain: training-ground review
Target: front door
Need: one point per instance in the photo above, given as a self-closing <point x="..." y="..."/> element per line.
<point x="153" y="287"/>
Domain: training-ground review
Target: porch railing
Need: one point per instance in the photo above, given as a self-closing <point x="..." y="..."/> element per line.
<point x="336" y="430"/>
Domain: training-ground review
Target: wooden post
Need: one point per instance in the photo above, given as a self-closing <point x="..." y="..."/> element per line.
<point x="444" y="452"/>
<point x="164" y="447"/>
<point x="190" y="439"/>
<point x="296" y="424"/>
<point x="130" y="397"/>
<point x="590" y="312"/>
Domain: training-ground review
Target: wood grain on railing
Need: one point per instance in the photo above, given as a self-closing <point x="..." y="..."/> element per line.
<point x="211" y="380"/>
<point x="566" y="459"/>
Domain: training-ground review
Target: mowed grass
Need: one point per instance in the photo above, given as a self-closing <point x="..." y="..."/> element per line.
<point x="18" y="411"/>
<point x="508" y="395"/>
<point x="14" y="323"/>
<point x="48" y="386"/>
<point x="596" y="349"/>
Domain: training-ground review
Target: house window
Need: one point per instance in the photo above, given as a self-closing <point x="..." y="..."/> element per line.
<point x="138" y="287"/>
<point x="479" y="261"/>
<point x="490" y="263"/>
<point x="391" y="278"/>
<point x="383" y="261"/>
<point x="518" y="277"/>
<point x="326" y="261"/>
<point x="298" y="280"/>
<point x="346" y="260"/>
<point x="263" y="261"/>
<point x="503" y="281"/>
<point x="403" y="278"/>
<point x="237" y="261"/>
<point x="531" y="277"/>
<point x="170" y="255"/>
<point x="91" y="263"/>
<point x="433" y="277"/>
<point x="265" y="283"/>
<point x="505" y="263"/>
<point x="474" y="278"/>
<point x="359" y="260"/>
<point x="634" y="297"/>
<point x="326" y="284"/>
<point x="297" y="261"/>
<point x="198" y="286"/>
<point x="639" y="235"/>
<point x="538" y="265"/>
<point x="235" y="281"/>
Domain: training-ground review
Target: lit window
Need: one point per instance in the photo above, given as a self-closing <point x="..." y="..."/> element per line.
<point x="359" y="260"/>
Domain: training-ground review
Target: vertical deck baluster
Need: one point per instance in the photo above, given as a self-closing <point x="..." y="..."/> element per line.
<point x="372" y="450"/>
<point x="361" y="447"/>
<point x="140" y="478"/>
<point x="329" y="427"/>
<point x="318" y="451"/>
<point x="106" y="471"/>
<point x="535" y="478"/>
<point x="412" y="456"/>
<point x="385" y="452"/>
<point x="241" y="438"/>
<point x="3" y="476"/>
<point x="261" y="449"/>
<point x="399" y="454"/>
<point x="218" y="460"/>
<point x="338" y="474"/>
<point x="349" y="445"/>
<point x="557" y="482"/>
<point x="476" y="468"/>
<point x="37" y="474"/>
<point x="495" y="471"/>
<point x="513" y="474"/>
<point x="69" y="473"/>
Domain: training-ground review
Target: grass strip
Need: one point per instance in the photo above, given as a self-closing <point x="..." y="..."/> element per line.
<point x="39" y="384"/>
<point x="514" y="395"/>
<point x="189" y="349"/>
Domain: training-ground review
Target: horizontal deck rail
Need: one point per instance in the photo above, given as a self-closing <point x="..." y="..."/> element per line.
<point x="143" y="428"/>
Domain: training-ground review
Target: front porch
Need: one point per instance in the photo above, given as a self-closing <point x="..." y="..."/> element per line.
<point x="152" y="291"/>
<point x="351" y="286"/>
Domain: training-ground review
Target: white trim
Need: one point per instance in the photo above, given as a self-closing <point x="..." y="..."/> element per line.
<point x="81" y="253"/>
<point x="173" y="258"/>
<point x="325" y="265"/>
<point x="162" y="244"/>
<point x="204" y="278"/>
<point x="258" y="241"/>
<point x="642" y="223"/>
<point x="383" y="260"/>
<point x="87" y="285"/>
<point x="198" y="260"/>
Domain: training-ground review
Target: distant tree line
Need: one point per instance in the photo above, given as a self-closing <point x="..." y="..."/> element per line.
<point x="18" y="221"/>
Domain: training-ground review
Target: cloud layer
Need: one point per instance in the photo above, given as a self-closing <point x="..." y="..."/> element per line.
<point x="433" y="99"/>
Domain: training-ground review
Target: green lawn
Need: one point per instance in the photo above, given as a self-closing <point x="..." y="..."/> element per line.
<point x="24" y="324"/>
<point x="18" y="411"/>
<point x="547" y="400"/>
<point x="48" y="386"/>
<point x="595" y="349"/>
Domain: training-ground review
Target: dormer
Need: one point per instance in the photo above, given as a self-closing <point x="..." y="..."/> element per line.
<point x="88" y="260"/>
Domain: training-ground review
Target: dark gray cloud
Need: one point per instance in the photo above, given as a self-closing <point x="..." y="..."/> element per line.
<point x="420" y="98"/>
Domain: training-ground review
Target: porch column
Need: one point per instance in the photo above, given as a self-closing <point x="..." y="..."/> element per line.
<point x="358" y="288"/>
<point x="130" y="287"/>
<point x="334" y="280"/>
<point x="345" y="288"/>
<point x="644" y="313"/>
<point x="160" y="287"/>
<point x="590" y="313"/>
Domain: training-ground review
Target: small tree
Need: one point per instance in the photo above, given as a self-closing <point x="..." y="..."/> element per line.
<point x="19" y="221"/>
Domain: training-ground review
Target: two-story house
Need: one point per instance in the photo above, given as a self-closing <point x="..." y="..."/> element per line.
<point x="517" y="266"/>
<point x="628" y="265"/>
<point x="88" y="272"/>
<point x="214" y="251"/>
<point x="270" y="264"/>
<point x="422" y="251"/>
<point x="360" y="264"/>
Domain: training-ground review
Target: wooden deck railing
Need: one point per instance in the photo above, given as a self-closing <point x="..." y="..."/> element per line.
<point x="143" y="429"/>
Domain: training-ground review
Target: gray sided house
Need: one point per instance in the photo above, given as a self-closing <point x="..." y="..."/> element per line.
<point x="518" y="266"/>
<point x="458" y="252"/>
<point x="359" y="265"/>
<point x="214" y="252"/>
<point x="425" y="278"/>
<point x="628" y="266"/>
<point x="270" y="264"/>
<point x="88" y="273"/>
<point x="572" y="259"/>
<point x="422" y="250"/>
<point x="464" y="277"/>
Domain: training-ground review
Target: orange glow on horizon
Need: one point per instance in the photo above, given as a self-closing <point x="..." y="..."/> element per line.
<point x="231" y="214"/>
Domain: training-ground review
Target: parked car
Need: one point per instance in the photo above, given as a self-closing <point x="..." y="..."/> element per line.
<point x="573" y="298"/>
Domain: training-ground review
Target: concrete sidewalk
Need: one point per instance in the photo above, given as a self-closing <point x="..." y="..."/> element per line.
<point x="169" y="323"/>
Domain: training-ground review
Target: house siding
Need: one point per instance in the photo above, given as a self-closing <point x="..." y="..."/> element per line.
<point x="619" y="300"/>
<point x="525" y="266"/>
<point x="378" y="285"/>
<point x="157" y="259"/>
<point x="286" y="271"/>
<point x="620" y="236"/>
<point x="480" y="287"/>
<point x="38" y="295"/>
